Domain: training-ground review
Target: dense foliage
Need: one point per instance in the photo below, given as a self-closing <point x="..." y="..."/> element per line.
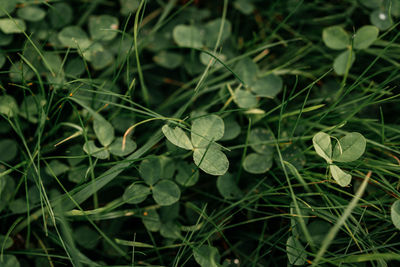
<point x="199" y="133"/>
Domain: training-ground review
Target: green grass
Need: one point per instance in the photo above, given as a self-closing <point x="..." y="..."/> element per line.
<point x="72" y="196"/>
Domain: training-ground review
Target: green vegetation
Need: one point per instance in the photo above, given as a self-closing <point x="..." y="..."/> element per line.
<point x="199" y="133"/>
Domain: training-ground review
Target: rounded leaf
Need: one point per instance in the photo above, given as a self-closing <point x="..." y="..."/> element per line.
<point x="341" y="177"/>
<point x="12" y="25"/>
<point x="188" y="36"/>
<point x="86" y="237"/>
<point x="187" y="175"/>
<point x="258" y="163"/>
<point x="116" y="147"/>
<point x="166" y="193"/>
<point x="212" y="29"/>
<point x="211" y="161"/>
<point x="90" y="148"/>
<point x="8" y="105"/>
<point x="232" y="129"/>
<point x="227" y="187"/>
<point x="150" y="170"/>
<point x="295" y="251"/>
<point x="207" y="256"/>
<point x="60" y="14"/>
<point x="258" y="139"/>
<point x="177" y="137"/>
<point x="7" y="6"/>
<point x="151" y="220"/>
<point x="103" y="27"/>
<point x="395" y="214"/>
<point x="380" y="19"/>
<point x="9" y="150"/>
<point x="335" y="37"/>
<point x="365" y="36"/>
<point x="135" y="193"/>
<point x="323" y="146"/>
<point x="349" y="148"/>
<point x="56" y="168"/>
<point x="31" y="13"/>
<point x="168" y="60"/>
<point x="247" y="71"/>
<point x="10" y="261"/>
<point x="342" y="62"/>
<point x="268" y="86"/>
<point x="245" y="99"/>
<point x="207" y="129"/>
<point x="104" y="131"/>
<point x="74" y="37"/>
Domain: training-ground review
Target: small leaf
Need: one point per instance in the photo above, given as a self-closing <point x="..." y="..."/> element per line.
<point x="232" y="129"/>
<point x="9" y="150"/>
<point x="295" y="251"/>
<point x="170" y="230"/>
<point x="206" y="129"/>
<point x="166" y="193"/>
<point x="187" y="36"/>
<point x="60" y="14"/>
<point x="86" y="237"/>
<point x="8" y="105"/>
<point x="318" y="230"/>
<point x="247" y="71"/>
<point x="187" y="175"/>
<point x="168" y="60"/>
<point x="91" y="149"/>
<point x="349" y="148"/>
<point x="129" y="6"/>
<point x="31" y="13"/>
<point x="7" y="243"/>
<point x="244" y="6"/>
<point x="268" y="86"/>
<point x="103" y="27"/>
<point x="258" y="138"/>
<point x="212" y="29"/>
<point x="213" y="161"/>
<point x="341" y="177"/>
<point x="380" y="19"/>
<point x="177" y="137"/>
<point x="9" y="26"/>
<point x="116" y="147"/>
<point x="342" y="62"/>
<point x="395" y="214"/>
<point x="56" y="168"/>
<point x="258" y="163"/>
<point x="245" y="99"/>
<point x="228" y="188"/>
<point x="365" y="36"/>
<point x="323" y="146"/>
<point x="10" y="261"/>
<point x="135" y="193"/>
<point x="8" y="6"/>
<point x="151" y="220"/>
<point x="74" y="37"/>
<point x="335" y="37"/>
<point x="104" y="131"/>
<point x="150" y="170"/>
<point x="207" y="256"/>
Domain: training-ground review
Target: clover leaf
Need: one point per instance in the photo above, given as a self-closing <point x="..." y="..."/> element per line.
<point x="204" y="132"/>
<point x="347" y="149"/>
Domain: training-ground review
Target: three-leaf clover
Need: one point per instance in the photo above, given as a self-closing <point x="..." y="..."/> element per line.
<point x="204" y="132"/>
<point x="347" y="149"/>
<point x="256" y="85"/>
<point x="165" y="192"/>
<point x="260" y="161"/>
<point x="335" y="37"/>
<point x="105" y="134"/>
